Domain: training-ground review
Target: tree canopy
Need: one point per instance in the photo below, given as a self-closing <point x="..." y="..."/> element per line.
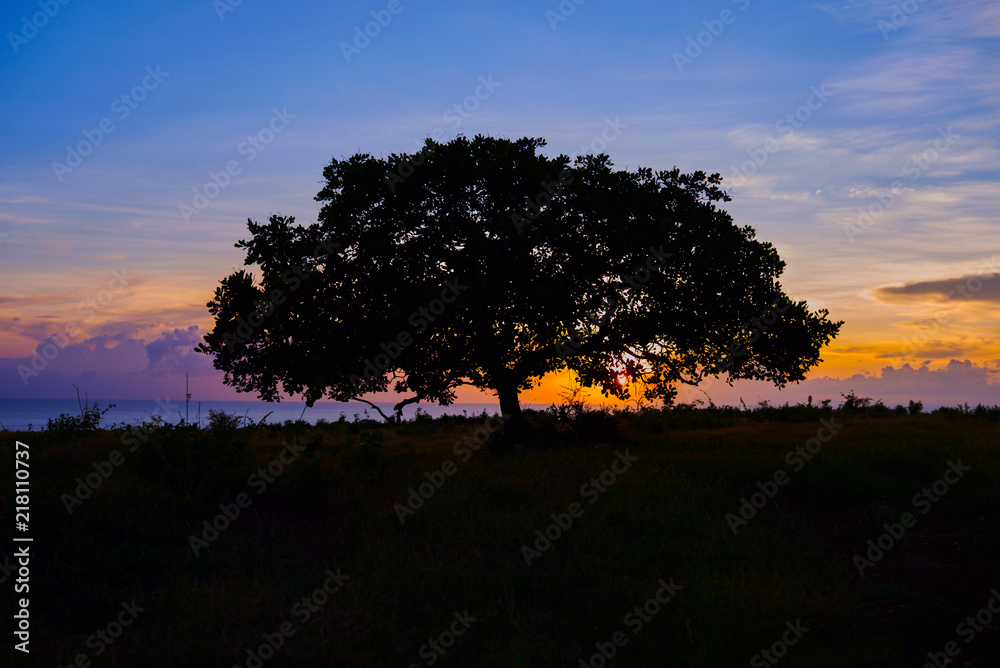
<point x="482" y="262"/>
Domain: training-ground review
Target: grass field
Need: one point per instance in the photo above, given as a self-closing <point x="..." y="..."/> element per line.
<point x="641" y="560"/>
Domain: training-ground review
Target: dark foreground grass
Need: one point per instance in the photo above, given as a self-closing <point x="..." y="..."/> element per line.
<point x="462" y="554"/>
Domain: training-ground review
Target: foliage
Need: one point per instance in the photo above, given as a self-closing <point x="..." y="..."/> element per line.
<point x="664" y="517"/>
<point x="76" y="426"/>
<point x="980" y="411"/>
<point x="853" y="403"/>
<point x="991" y="412"/>
<point x="595" y="426"/>
<point x="491" y="265"/>
<point x="192" y="457"/>
<point x="221" y="421"/>
<point x="689" y="416"/>
<point x="422" y="423"/>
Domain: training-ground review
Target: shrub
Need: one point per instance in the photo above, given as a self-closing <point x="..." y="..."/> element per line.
<point x="422" y="423"/>
<point x="991" y="412"/>
<point x="916" y="407"/>
<point x="854" y="404"/>
<point x="963" y="410"/>
<point x="75" y="426"/>
<point x="192" y="457"/>
<point x="223" y="421"/>
<point x="595" y="426"/>
<point x="649" y="420"/>
<point x="786" y="413"/>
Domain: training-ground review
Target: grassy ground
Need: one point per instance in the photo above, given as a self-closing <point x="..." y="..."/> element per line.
<point x="462" y="556"/>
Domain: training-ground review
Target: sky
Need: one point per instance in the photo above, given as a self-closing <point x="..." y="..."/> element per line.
<point x="860" y="138"/>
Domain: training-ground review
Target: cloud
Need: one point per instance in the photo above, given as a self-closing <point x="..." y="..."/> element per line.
<point x="53" y="369"/>
<point x="173" y="353"/>
<point x="971" y="17"/>
<point x="112" y="366"/>
<point x="958" y="381"/>
<point x="979" y="287"/>
<point x="24" y="199"/>
<point x="24" y="220"/>
<point x="933" y="350"/>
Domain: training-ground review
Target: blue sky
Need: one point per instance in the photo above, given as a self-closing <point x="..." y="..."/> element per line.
<point x="693" y="85"/>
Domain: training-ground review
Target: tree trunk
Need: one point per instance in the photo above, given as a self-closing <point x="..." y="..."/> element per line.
<point x="515" y="424"/>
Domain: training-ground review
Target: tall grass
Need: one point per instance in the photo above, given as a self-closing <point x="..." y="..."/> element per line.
<point x="337" y="506"/>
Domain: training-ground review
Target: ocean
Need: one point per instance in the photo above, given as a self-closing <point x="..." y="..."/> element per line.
<point x="33" y="414"/>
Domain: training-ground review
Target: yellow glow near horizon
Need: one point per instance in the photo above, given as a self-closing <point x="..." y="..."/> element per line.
<point x="872" y="339"/>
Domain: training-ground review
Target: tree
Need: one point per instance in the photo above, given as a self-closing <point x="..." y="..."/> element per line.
<point x="485" y="263"/>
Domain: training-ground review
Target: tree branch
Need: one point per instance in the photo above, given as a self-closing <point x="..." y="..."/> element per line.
<point x="384" y="416"/>
<point x="405" y="402"/>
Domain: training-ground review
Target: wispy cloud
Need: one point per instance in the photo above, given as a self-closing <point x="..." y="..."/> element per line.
<point x="976" y="287"/>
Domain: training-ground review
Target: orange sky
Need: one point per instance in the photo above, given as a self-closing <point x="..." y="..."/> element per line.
<point x="868" y="158"/>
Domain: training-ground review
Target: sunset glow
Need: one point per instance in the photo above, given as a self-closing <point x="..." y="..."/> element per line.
<point x="866" y="154"/>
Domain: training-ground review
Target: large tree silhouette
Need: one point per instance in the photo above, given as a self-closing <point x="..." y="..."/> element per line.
<point x="485" y="263"/>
